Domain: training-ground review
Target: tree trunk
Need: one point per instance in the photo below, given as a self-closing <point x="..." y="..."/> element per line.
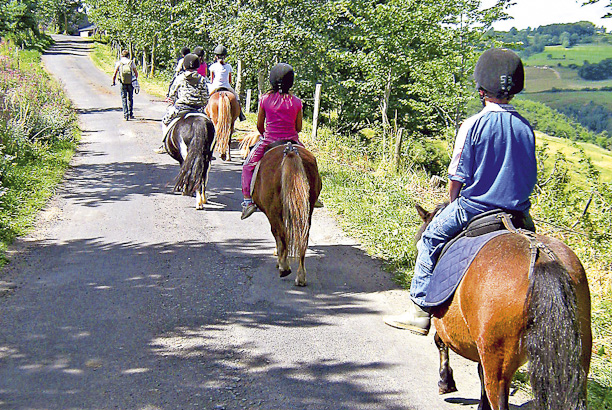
<point x="144" y="61"/>
<point x="384" y="108"/>
<point x="152" y="73"/>
<point x="261" y="81"/>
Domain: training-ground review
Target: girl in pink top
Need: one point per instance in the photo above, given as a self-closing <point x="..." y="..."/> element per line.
<point x="279" y="118"/>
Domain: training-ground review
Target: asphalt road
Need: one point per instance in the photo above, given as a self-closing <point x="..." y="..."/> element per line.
<point x="126" y="297"/>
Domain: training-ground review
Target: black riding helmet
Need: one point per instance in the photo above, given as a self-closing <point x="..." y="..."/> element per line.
<point x="500" y="72"/>
<point x="220" y="50"/>
<point x="191" y="62"/>
<point x="281" y="77"/>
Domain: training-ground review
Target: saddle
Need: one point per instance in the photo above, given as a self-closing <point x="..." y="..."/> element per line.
<point x="458" y="254"/>
<point x="487" y="222"/>
<point x="219" y="90"/>
<point x="166" y="129"/>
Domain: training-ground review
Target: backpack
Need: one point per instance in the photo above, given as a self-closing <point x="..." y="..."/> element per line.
<point x="125" y="72"/>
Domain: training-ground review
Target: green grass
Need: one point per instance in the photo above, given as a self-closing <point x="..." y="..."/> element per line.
<point x="31" y="182"/>
<point x="601" y="158"/>
<point x="36" y="149"/>
<point x="578" y="54"/>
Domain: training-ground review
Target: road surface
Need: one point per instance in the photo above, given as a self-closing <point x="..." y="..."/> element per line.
<point x="126" y="297"/>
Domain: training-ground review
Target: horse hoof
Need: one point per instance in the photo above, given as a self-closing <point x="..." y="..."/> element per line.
<point x="223" y="157"/>
<point x="284" y="273"/>
<point x="300" y="283"/>
<point x="445" y="388"/>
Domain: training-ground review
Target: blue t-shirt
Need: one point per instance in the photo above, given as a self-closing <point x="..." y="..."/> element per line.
<point x="494" y="158"/>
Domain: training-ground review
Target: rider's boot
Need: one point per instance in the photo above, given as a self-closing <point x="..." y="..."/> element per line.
<point x="248" y="207"/>
<point x="242" y="117"/>
<point x="415" y="319"/>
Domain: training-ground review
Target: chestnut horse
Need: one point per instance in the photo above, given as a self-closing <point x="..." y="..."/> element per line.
<point x="502" y="315"/>
<point x="223" y="108"/>
<point x="190" y="143"/>
<point x="285" y="188"/>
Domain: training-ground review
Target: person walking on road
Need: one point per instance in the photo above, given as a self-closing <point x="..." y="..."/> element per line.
<point x="126" y="70"/>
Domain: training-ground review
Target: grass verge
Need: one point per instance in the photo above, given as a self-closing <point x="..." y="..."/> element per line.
<point x="38" y="135"/>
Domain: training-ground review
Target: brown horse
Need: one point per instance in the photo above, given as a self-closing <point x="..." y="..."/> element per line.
<point x="501" y="316"/>
<point x="285" y="188"/>
<point x="190" y="143"/>
<point x="223" y="108"/>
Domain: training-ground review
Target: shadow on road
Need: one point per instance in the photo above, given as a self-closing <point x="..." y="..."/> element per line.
<point x="187" y="333"/>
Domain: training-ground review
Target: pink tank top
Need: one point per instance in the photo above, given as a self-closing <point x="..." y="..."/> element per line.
<point x="281" y="111"/>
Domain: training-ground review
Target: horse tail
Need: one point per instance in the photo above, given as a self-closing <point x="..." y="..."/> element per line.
<point x="295" y="194"/>
<point x="224" y="123"/>
<point x="193" y="171"/>
<point x="552" y="339"/>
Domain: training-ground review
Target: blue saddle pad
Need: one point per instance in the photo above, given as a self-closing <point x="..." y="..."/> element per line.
<point x="453" y="264"/>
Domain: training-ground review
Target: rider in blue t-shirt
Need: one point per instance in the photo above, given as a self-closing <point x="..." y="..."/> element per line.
<point x="493" y="166"/>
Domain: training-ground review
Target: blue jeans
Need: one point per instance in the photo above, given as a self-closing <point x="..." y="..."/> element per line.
<point x="127" y="98"/>
<point x="444" y="226"/>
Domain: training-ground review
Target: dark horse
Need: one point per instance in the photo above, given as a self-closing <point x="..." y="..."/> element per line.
<point x="285" y="188"/>
<point x="501" y="316"/>
<point x="190" y="143"/>
<point x="223" y="108"/>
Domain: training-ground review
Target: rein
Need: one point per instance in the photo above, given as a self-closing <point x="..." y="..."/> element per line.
<point x="535" y="245"/>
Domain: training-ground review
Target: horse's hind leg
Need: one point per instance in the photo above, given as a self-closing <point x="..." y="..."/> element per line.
<point x="447" y="382"/>
<point x="283" y="266"/>
<point x="201" y="197"/>
<point x="484" y="400"/>
<point x="300" y="279"/>
<point x="495" y="377"/>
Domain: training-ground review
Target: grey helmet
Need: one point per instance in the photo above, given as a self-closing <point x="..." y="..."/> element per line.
<point x="220" y="51"/>
<point x="500" y="72"/>
<point x="191" y="61"/>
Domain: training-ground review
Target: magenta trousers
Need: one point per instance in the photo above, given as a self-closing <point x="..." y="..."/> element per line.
<point x="251" y="162"/>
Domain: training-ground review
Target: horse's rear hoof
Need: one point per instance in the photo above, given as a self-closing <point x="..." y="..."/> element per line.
<point x="445" y="388"/>
<point x="300" y="283"/>
<point x="284" y="273"/>
<point x="223" y="157"/>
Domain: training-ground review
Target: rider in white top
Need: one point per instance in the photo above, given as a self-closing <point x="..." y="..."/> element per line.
<point x="221" y="75"/>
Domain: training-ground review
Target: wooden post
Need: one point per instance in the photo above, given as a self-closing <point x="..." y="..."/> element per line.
<point x="315" y="112"/>
<point x="398" y="148"/>
<point x="247" y="108"/>
<point x="239" y="79"/>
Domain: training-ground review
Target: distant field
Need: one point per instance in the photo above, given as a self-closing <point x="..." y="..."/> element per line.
<point x="539" y="79"/>
<point x="601" y="158"/>
<point x="557" y="100"/>
<point x="542" y="71"/>
<point x="578" y="54"/>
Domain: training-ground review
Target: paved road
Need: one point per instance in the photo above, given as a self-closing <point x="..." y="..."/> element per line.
<point x="126" y="297"/>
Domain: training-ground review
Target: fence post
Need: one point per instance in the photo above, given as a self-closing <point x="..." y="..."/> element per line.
<point x="248" y="102"/>
<point x="398" y="148"/>
<point x="315" y="113"/>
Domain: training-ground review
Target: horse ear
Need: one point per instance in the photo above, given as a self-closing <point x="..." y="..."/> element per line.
<point x="422" y="212"/>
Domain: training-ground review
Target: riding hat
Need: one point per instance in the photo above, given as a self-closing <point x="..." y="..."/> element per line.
<point x="220" y="50"/>
<point x="281" y="77"/>
<point x="199" y="51"/>
<point x="185" y="51"/>
<point x="191" y="61"/>
<point x="500" y="72"/>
